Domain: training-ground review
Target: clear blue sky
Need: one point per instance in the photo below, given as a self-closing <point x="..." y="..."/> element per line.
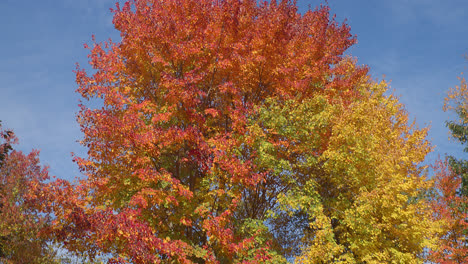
<point x="417" y="44"/>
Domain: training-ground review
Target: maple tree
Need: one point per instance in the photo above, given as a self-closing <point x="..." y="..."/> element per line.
<point x="21" y="221"/>
<point x="450" y="207"/>
<point x="358" y="191"/>
<point x="452" y="182"/>
<point x="238" y="132"/>
<point x="457" y="101"/>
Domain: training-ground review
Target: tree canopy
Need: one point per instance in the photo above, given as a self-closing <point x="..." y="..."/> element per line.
<point x="21" y="221"/>
<point x="236" y="131"/>
<point x="239" y="132"/>
<point x="451" y="205"/>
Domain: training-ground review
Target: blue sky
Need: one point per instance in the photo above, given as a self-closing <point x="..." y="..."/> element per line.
<point x="416" y="44"/>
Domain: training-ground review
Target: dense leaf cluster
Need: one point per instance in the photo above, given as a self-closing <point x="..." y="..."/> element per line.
<point x="236" y="131"/>
<point x="451" y="204"/>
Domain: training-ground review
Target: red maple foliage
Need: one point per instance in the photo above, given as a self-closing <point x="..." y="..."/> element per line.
<point x="451" y="208"/>
<point x="169" y="175"/>
<point x="22" y="180"/>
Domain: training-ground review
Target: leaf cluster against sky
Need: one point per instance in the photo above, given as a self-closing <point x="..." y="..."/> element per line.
<point x="418" y="45"/>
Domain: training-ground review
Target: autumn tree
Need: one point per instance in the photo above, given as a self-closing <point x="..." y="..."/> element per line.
<point x="449" y="206"/>
<point x="452" y="182"/>
<point x="238" y="132"/>
<point x="457" y="101"/>
<point x="5" y="147"/>
<point x="357" y="193"/>
<point x="21" y="179"/>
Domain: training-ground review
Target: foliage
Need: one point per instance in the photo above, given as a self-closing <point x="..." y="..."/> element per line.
<point x="452" y="182"/>
<point x="21" y="178"/>
<point x="457" y="101"/>
<point x="450" y="206"/>
<point x="238" y="132"/>
<point x="357" y="191"/>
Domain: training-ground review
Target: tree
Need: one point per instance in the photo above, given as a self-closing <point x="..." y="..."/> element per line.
<point x="21" y="179"/>
<point x="456" y="101"/>
<point x="452" y="182"/>
<point x="449" y="206"/>
<point x="5" y="147"/>
<point x="358" y="194"/>
<point x="238" y="132"/>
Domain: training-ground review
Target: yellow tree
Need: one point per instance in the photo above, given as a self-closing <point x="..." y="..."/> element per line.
<point x="358" y="192"/>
